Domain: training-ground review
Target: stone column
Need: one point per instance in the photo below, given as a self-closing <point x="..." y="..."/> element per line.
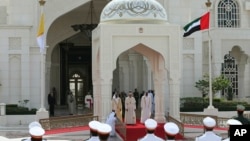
<point x="2" y="109"/>
<point x="159" y="101"/>
<point x="174" y="98"/>
<point x="105" y="100"/>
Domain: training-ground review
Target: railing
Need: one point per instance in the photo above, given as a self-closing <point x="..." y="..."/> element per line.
<point x="178" y="123"/>
<point x="194" y="119"/>
<point x="121" y="128"/>
<point x="66" y="121"/>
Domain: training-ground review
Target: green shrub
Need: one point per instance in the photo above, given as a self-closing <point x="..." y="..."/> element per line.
<point x="197" y="104"/>
<point x="11" y="109"/>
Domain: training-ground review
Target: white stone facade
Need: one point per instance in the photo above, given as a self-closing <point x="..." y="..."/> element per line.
<point x="20" y="57"/>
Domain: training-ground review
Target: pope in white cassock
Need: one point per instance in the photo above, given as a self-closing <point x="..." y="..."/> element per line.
<point x="130" y="107"/>
<point x="146" y="104"/>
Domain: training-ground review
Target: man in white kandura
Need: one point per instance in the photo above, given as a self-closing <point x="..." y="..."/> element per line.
<point x="150" y="125"/>
<point x="145" y="107"/>
<point x="71" y="103"/>
<point x="209" y="124"/>
<point x="130" y="107"/>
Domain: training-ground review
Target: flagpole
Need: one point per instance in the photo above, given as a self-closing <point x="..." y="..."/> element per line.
<point x="208" y="4"/>
<point x="42" y="59"/>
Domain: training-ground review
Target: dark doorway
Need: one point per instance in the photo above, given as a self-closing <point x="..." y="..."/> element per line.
<point x="75" y="73"/>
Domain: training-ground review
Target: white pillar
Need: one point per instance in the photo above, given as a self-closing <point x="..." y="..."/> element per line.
<point x="3" y="109"/>
<point x="159" y="102"/>
<point x="174" y="99"/>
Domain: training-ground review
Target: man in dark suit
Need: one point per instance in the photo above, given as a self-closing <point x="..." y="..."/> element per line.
<point x="51" y="102"/>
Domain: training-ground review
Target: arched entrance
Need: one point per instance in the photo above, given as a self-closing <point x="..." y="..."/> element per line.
<point x="69" y="50"/>
<point x="160" y="46"/>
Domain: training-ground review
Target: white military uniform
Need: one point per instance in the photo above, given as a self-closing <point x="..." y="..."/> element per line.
<point x="232" y="122"/>
<point x="151" y="125"/>
<point x="93" y="125"/>
<point x="171" y="129"/>
<point x="209" y="123"/>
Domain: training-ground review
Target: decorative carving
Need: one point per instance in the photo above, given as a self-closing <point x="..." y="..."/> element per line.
<point x="67" y="121"/>
<point x="133" y="8"/>
<point x="195" y="119"/>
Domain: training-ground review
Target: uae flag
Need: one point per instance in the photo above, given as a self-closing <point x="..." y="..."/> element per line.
<point x="200" y="23"/>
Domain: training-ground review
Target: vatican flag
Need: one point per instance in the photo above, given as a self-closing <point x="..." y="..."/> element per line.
<point x="40" y="34"/>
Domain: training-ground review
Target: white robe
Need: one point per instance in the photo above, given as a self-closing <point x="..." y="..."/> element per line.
<point x="111" y="121"/>
<point x="71" y="104"/>
<point x="145" y="108"/>
<point x="130" y="107"/>
<point x="152" y="102"/>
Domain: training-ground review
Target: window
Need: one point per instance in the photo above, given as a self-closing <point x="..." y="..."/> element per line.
<point x="228" y="14"/>
<point x="230" y="70"/>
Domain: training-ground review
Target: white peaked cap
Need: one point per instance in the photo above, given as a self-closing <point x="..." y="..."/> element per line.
<point x="104" y="128"/>
<point x="233" y="122"/>
<point x="171" y="128"/>
<point x="36" y="131"/>
<point x="150" y="124"/>
<point x="209" y="122"/>
<point x="34" y="123"/>
<point x="94" y="124"/>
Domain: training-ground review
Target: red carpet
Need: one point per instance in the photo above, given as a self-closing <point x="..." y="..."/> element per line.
<point x="134" y="132"/>
<point x="65" y="130"/>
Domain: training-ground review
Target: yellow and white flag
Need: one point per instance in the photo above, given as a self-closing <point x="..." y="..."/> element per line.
<point x="40" y="34"/>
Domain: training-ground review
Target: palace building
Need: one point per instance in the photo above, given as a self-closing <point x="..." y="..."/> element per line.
<point x="98" y="46"/>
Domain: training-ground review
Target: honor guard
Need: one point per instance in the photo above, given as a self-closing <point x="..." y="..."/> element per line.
<point x="104" y="131"/>
<point x="231" y="122"/>
<point x="150" y="125"/>
<point x="36" y="134"/>
<point x="209" y="124"/>
<point x="171" y="130"/>
<point x="93" y="125"/>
